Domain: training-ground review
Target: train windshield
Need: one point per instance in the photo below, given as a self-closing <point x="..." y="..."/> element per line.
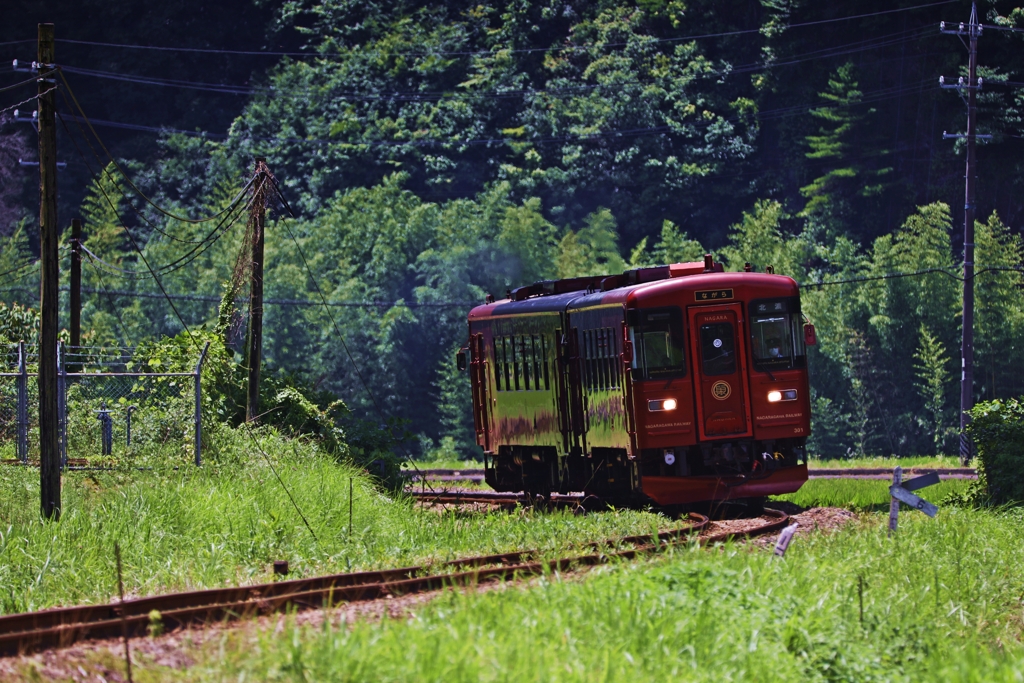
<point x="658" y="342"/>
<point x="776" y="334"/>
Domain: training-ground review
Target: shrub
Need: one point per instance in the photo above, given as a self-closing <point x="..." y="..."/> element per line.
<point x="997" y="428"/>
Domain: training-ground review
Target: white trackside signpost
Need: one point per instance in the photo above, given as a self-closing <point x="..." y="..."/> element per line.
<point x="902" y="492"/>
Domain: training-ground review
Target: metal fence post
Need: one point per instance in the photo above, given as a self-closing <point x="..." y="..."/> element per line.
<point x="199" y="405"/>
<point x="62" y="405"/>
<point x="22" y="404"/>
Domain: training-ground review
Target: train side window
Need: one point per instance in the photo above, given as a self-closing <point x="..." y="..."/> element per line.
<point x="612" y="353"/>
<point x="526" y="360"/>
<point x="517" y="370"/>
<point x="718" y="349"/>
<point x="545" y="359"/>
<point x="606" y="371"/>
<point x="537" y="360"/>
<point x="658" y="343"/>
<point x="588" y="362"/>
<point x="498" y="364"/>
<point x="506" y="343"/>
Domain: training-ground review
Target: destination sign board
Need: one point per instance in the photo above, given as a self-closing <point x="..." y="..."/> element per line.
<point x="713" y="295"/>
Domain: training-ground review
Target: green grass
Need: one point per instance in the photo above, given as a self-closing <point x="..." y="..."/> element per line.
<point x="225" y="523"/>
<point x="941" y="602"/>
<point x="864" y="494"/>
<point x="447" y="464"/>
<point x="887" y="462"/>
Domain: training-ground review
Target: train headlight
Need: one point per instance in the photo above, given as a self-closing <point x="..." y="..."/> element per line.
<point x="785" y="395"/>
<point x="658" y="405"/>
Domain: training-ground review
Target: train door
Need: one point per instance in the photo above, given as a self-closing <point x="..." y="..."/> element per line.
<point x="720" y="374"/>
<point x="572" y="378"/>
<point x="478" y="380"/>
<point x="625" y="361"/>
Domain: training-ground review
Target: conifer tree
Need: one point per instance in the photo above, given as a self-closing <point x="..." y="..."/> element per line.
<point x="847" y="175"/>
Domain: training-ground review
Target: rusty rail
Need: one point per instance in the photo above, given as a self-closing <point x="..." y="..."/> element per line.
<point x="62" y="627"/>
<point x="446" y="497"/>
<point x="477" y="476"/>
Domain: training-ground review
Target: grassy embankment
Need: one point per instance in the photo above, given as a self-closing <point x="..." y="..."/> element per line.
<point x="863" y="495"/>
<point x="225" y="523"/>
<point x="942" y="601"/>
<point x="887" y="462"/>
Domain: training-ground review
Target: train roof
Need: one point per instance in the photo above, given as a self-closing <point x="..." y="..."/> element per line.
<point x="556" y="296"/>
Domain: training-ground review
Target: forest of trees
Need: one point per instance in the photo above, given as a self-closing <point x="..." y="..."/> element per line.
<point x="436" y="152"/>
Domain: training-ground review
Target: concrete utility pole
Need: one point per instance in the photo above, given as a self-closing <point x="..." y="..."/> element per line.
<point x="49" y="451"/>
<point x="258" y="219"/>
<point x="972" y="30"/>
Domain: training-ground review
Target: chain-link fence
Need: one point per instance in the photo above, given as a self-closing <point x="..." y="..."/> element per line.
<point x="106" y="409"/>
<point x="19" y="401"/>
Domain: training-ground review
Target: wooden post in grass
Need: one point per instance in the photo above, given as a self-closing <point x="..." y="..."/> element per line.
<point x="124" y="619"/>
<point x="257" y="218"/>
<point x="894" y="505"/>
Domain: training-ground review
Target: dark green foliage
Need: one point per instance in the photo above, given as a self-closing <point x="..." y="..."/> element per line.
<point x="18" y="324"/>
<point x="851" y="174"/>
<point x="997" y="429"/>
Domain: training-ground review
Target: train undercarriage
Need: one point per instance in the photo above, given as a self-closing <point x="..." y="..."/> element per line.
<point x="710" y="471"/>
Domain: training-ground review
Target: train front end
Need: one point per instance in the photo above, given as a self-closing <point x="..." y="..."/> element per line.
<point x="718" y="393"/>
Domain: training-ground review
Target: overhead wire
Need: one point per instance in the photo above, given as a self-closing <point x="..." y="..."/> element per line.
<point x="201" y="246"/>
<point x="18" y="85"/>
<point x="925" y="271"/>
<point x="34" y="97"/>
<point x="17" y="269"/>
<point x="127" y="179"/>
<point x="134" y="243"/>
<point x="906" y="35"/>
<point x="113" y="181"/>
<point x="456" y="53"/>
<point x="280" y="481"/>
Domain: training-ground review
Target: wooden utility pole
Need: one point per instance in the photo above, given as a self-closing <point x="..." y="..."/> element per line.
<point x="971" y="30"/>
<point x="258" y="219"/>
<point x="49" y="451"/>
<point x="76" y="285"/>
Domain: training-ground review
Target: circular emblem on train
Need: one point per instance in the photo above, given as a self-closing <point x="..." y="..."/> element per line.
<point x="721" y="390"/>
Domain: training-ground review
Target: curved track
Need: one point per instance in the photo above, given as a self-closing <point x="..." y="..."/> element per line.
<point x="56" y="628"/>
<point x="476" y="476"/>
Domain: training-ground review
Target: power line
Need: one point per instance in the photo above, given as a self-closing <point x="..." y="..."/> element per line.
<point x="906" y="35"/>
<point x="17" y="85"/>
<point x="471" y="53"/>
<point x="128" y="180"/>
<point x="213" y="298"/>
<point x="994" y="27"/>
<point x="31" y="99"/>
<point x="227" y="221"/>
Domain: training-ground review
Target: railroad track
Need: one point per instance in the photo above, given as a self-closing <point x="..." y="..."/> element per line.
<point x="495" y="498"/>
<point x="62" y="627"/>
<point x="477" y="476"/>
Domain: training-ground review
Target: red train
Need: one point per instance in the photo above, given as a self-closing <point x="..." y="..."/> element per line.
<point x="674" y="384"/>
